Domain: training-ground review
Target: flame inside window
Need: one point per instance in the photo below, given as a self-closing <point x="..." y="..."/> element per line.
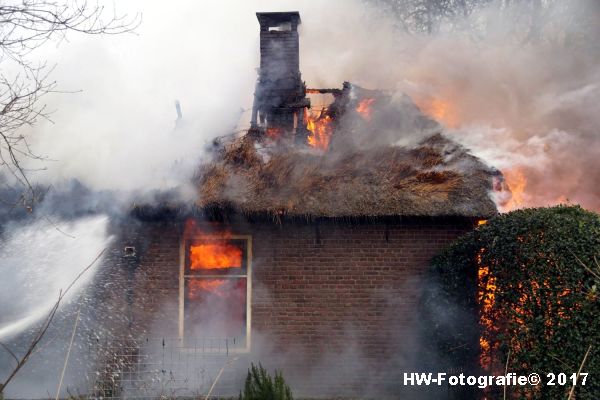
<point x="215" y="256"/>
<point x="215" y="291"/>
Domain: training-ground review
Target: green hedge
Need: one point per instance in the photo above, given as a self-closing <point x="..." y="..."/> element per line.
<point x="546" y="304"/>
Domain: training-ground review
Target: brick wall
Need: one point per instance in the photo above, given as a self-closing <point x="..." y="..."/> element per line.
<point x="339" y="302"/>
<point x="156" y="282"/>
<point x="279" y="55"/>
<point x="330" y="301"/>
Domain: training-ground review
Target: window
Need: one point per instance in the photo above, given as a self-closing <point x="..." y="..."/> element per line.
<point x="214" y="289"/>
<point x="282" y="27"/>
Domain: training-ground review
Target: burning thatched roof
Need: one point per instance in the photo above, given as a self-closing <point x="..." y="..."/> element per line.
<point x="437" y="177"/>
<point x="355" y="168"/>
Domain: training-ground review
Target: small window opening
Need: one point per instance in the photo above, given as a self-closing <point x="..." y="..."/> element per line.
<point x="283" y="27"/>
<point x="129" y="251"/>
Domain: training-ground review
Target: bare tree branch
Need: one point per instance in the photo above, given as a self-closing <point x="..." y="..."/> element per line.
<point x="24" y="27"/>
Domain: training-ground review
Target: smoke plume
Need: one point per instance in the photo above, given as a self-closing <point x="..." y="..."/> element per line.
<point x="525" y="105"/>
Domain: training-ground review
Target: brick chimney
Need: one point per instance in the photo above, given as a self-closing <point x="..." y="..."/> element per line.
<point x="280" y="95"/>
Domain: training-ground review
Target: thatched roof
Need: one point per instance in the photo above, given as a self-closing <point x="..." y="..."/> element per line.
<point x="436" y="177"/>
<point x="363" y="173"/>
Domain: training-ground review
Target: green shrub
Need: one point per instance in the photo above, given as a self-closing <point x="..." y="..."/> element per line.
<point x="539" y="271"/>
<point x="260" y="386"/>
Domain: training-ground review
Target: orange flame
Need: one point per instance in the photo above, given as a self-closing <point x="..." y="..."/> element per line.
<point x="320" y="129"/>
<point x="193" y="227"/>
<point x="273" y="133"/>
<point x="364" y="108"/>
<point x="562" y="199"/>
<point x="215" y="256"/>
<point x="517" y="182"/>
<point x="197" y="287"/>
<point x="486" y="284"/>
<point x="441" y="110"/>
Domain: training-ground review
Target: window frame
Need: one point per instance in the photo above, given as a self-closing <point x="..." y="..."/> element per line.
<point x="247" y="275"/>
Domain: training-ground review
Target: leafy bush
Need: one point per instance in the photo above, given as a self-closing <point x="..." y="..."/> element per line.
<point x="531" y="281"/>
<point x="260" y="386"/>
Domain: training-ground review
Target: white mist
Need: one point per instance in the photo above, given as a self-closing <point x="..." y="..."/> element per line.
<point x="40" y="259"/>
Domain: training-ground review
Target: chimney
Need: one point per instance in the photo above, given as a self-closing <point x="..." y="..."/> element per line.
<point x="280" y="95"/>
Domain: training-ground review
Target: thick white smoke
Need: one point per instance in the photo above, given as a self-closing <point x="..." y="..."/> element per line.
<point x="526" y="106"/>
<point x="41" y="259"/>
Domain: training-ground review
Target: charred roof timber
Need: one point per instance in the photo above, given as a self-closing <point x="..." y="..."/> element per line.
<point x="280" y="95"/>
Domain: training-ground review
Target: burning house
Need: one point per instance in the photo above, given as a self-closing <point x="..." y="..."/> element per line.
<point x="306" y="248"/>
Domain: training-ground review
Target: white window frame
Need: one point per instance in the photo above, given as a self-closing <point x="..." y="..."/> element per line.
<point x="247" y="275"/>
